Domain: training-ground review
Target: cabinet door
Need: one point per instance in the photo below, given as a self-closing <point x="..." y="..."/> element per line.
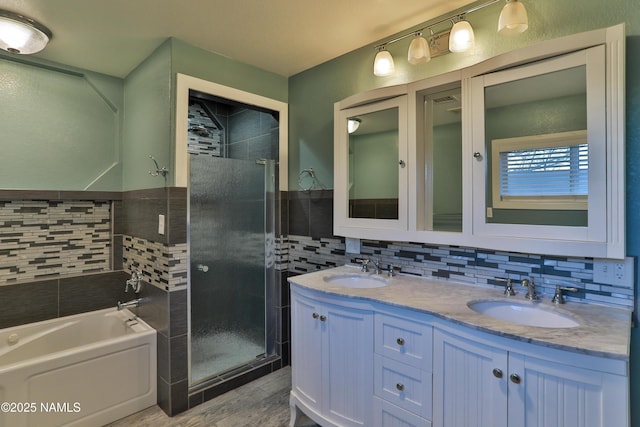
<point x="370" y="169"/>
<point x="306" y="350"/>
<point x="347" y="366"/>
<point x="469" y="383"/>
<point x="540" y="150"/>
<point x="554" y="395"/>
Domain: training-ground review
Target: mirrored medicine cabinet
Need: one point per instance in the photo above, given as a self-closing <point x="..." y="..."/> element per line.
<point x="523" y="152"/>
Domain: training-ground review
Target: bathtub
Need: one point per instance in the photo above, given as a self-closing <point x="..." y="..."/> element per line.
<point x="84" y="370"/>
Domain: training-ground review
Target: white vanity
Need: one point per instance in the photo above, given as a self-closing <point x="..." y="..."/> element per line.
<point x="413" y="353"/>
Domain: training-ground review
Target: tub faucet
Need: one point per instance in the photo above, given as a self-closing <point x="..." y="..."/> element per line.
<point x="134" y="282"/>
<point x="129" y="304"/>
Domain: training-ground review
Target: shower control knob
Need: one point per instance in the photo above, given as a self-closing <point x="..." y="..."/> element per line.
<point x="203" y="268"/>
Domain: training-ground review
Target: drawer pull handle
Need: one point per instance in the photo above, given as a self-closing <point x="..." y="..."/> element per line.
<point x="515" y="378"/>
<point x="400" y="341"/>
<point x="323" y="318"/>
<point x="315" y="315"/>
<point x="400" y="387"/>
<point x="497" y="373"/>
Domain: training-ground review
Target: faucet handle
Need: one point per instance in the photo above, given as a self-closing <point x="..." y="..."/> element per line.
<point x="531" y="289"/>
<point x="365" y="264"/>
<point x="508" y="287"/>
<point x="558" y="296"/>
<point x="391" y="269"/>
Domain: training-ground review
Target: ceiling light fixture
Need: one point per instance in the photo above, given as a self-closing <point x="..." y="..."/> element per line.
<point x="22" y="35"/>
<point x="513" y="20"/>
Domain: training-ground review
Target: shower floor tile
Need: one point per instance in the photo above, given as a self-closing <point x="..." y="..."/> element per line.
<point x="219" y="352"/>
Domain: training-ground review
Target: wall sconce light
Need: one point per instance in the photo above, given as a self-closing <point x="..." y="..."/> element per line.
<point x="513" y="20"/>
<point x="383" y="63"/>
<point x="22" y="35"/>
<point x="353" y="125"/>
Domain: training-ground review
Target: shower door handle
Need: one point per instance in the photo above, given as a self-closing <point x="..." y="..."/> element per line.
<point x="203" y="268"/>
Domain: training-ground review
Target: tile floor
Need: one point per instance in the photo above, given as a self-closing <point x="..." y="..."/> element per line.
<point x="261" y="403"/>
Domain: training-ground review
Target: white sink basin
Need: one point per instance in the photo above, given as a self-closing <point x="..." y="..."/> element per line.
<point x="356" y="281"/>
<point x="523" y="313"/>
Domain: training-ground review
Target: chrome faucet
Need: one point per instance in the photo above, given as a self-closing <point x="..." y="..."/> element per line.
<point x="134" y="282"/>
<point x="558" y="297"/>
<point x="365" y="265"/>
<point x="129" y="304"/>
<point x="531" y="289"/>
<point x="508" y="287"/>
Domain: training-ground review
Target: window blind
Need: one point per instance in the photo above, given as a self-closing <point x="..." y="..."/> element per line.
<point x="539" y="172"/>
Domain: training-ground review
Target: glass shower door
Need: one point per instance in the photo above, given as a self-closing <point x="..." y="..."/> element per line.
<point x="227" y="271"/>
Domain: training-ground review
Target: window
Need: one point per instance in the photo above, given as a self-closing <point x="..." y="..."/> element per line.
<point x="541" y="172"/>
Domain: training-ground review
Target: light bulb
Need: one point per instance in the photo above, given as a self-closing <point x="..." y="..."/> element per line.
<point x="419" y="51"/>
<point x="513" y="18"/>
<point x="461" y="37"/>
<point x="383" y="63"/>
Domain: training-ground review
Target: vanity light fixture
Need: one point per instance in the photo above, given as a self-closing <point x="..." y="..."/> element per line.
<point x="383" y="63"/>
<point x="461" y="37"/>
<point x="353" y="125"/>
<point x="513" y="20"/>
<point x="419" y="50"/>
<point x="22" y="35"/>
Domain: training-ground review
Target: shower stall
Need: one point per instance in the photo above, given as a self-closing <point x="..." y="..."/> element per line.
<point x="232" y="185"/>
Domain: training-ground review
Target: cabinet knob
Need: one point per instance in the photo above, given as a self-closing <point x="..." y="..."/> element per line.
<point x="400" y="387"/>
<point x="400" y="341"/>
<point x="515" y="378"/>
<point x="497" y="373"/>
<point x="323" y="318"/>
<point x="315" y="315"/>
<point x="402" y="163"/>
<point x="477" y="155"/>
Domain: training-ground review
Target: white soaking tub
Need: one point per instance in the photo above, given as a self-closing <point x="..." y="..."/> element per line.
<point x="84" y="370"/>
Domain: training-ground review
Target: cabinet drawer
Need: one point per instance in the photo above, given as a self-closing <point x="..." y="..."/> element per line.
<point x="405" y="386"/>
<point x="405" y="341"/>
<point x="387" y="415"/>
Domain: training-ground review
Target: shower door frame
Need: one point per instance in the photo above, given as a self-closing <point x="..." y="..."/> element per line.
<point x="185" y="84"/>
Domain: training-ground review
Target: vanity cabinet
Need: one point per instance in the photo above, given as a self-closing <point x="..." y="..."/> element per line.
<point x="331" y="359"/>
<point x="479" y="384"/>
<point x="402" y="372"/>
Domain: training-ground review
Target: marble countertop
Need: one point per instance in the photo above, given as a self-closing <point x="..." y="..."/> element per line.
<point x="602" y="331"/>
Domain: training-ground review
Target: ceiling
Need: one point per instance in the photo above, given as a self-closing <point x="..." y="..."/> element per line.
<point x="281" y="36"/>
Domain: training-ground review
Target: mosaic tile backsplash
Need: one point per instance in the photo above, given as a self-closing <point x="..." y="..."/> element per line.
<point x="474" y="266"/>
<point x="50" y="239"/>
<point x="162" y="265"/>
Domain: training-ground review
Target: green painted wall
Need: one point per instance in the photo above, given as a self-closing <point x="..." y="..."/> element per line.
<point x="61" y="127"/>
<point x="147" y="127"/>
<point x="150" y="103"/>
<point x="313" y="92"/>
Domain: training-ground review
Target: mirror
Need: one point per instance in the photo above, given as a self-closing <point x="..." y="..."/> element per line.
<point x="536" y="149"/>
<point x="442" y="144"/>
<point x="373" y="164"/>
